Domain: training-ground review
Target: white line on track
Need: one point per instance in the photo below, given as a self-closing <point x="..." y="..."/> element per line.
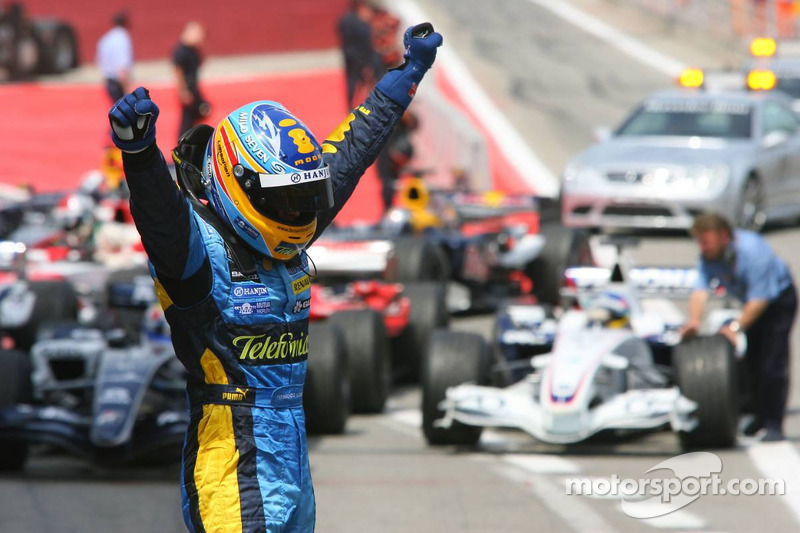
<point x="780" y="460"/>
<point x="509" y="141"/>
<point x="613" y="37"/>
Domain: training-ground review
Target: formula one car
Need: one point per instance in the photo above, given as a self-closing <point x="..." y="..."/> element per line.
<point x="385" y="329"/>
<point x="34" y="46"/>
<point x="488" y="246"/>
<point x="614" y="363"/>
<point x="100" y="393"/>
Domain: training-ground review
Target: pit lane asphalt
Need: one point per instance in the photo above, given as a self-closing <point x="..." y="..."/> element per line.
<point x="555" y="83"/>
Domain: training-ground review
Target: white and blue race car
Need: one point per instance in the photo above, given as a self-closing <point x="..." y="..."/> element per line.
<point x="613" y="361"/>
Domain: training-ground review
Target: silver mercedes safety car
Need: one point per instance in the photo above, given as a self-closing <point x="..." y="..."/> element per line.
<point x="682" y="152"/>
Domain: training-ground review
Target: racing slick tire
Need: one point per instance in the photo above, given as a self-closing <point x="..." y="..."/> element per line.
<point x="453" y="358"/>
<point x="326" y="396"/>
<point x="563" y="248"/>
<point x="55" y="301"/>
<point x="428" y="313"/>
<point x="15" y="389"/>
<point x="418" y="259"/>
<point x="58" y="46"/>
<point x="706" y="372"/>
<point x="367" y="346"/>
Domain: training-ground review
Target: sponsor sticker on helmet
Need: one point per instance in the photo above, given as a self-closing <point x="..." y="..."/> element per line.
<point x="246" y="227"/>
<point x="286" y="248"/>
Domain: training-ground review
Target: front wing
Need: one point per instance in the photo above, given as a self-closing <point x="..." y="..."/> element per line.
<point x="515" y="407"/>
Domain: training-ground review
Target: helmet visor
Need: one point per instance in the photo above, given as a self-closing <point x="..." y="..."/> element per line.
<point x="303" y="191"/>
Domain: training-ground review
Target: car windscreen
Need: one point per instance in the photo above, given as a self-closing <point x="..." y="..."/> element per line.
<point x="698" y="118"/>
<point x="789" y="85"/>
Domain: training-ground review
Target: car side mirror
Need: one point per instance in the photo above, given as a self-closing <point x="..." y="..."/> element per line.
<point x="774" y="138"/>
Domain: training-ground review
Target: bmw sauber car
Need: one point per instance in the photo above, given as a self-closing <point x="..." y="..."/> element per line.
<point x="98" y="393"/>
<point x="487" y="245"/>
<point x="682" y="152"/>
<point x="614" y="362"/>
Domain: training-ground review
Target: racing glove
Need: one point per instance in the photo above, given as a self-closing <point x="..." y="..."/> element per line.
<point x="133" y="121"/>
<point x="400" y="83"/>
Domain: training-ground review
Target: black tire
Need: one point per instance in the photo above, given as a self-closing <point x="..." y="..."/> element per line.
<point x="417" y="259"/>
<point x="453" y="358"/>
<point x="367" y="346"/>
<point x="55" y="301"/>
<point x="15" y="388"/>
<point x="428" y="313"/>
<point x="59" y="51"/>
<point x="26" y="56"/>
<point x="706" y="372"/>
<point x="326" y="397"/>
<point x="564" y="247"/>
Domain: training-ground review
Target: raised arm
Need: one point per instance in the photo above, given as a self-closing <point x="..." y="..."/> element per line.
<point x="160" y="211"/>
<point x="355" y="144"/>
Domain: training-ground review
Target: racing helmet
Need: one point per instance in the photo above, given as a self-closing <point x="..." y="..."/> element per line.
<point x="264" y="175"/>
<point x="154" y="325"/>
<point x="610" y="309"/>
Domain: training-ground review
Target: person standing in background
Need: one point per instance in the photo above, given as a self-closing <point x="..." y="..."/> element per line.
<point x="361" y="61"/>
<point x="114" y="57"/>
<point x="187" y="58"/>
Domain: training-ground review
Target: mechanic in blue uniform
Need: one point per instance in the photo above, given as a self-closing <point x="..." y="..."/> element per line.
<point x="228" y="261"/>
<point x="745" y="266"/>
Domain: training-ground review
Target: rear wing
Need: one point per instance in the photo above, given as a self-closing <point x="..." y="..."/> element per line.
<point x="675" y="282"/>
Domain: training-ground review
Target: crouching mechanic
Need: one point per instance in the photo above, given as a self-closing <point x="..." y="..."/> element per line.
<point x="743" y="263"/>
<point x="227" y="254"/>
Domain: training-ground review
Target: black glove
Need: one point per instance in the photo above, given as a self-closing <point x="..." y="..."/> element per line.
<point x="400" y="84"/>
<point x="133" y="121"/>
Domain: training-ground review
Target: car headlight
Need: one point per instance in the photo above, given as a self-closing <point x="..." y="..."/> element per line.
<point x="703" y="178"/>
<point x="579" y="174"/>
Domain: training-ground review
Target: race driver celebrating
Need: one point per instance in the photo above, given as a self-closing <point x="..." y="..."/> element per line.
<point x="227" y="254"/>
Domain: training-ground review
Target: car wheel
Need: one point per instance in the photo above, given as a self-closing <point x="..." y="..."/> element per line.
<point x="367" y="347"/>
<point x="61" y="53"/>
<point x="418" y="259"/>
<point x="564" y="247"/>
<point x="752" y="210"/>
<point x="326" y="396"/>
<point x="26" y="57"/>
<point x="706" y="373"/>
<point x="452" y="358"/>
<point x="428" y="313"/>
<point x="15" y="389"/>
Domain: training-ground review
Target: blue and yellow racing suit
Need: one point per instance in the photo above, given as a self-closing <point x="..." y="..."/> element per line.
<point x="243" y="337"/>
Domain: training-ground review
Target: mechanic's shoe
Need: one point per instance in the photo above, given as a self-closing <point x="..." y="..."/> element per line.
<point x="753" y="427"/>
<point x="772" y="432"/>
<point x="773" y="435"/>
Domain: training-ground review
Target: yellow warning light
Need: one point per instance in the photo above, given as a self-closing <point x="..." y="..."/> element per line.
<point x="761" y="80"/>
<point x="691" y="77"/>
<point x="763" y="47"/>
